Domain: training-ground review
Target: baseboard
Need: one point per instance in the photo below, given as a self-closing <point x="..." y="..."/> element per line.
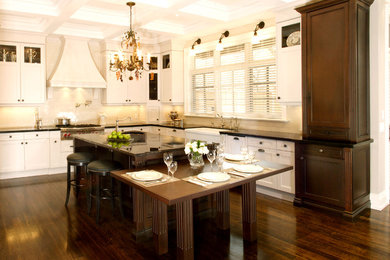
<point x="275" y="193"/>
<point x="379" y="201"/>
<point x="22" y="174"/>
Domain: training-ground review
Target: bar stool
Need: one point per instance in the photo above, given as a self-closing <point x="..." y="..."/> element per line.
<point x="99" y="169"/>
<point x="78" y="160"/>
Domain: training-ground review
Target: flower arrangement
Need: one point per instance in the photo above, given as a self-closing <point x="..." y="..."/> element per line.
<point x="196" y="148"/>
<point x="195" y="151"/>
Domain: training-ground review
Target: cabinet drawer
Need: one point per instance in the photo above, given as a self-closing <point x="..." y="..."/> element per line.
<point x="66" y="146"/>
<point x="325" y="151"/>
<point x="55" y="134"/>
<point x="285" y="146"/>
<point x="11" y="136"/>
<point x="262" y="142"/>
<point x="36" y="135"/>
<point x="329" y="134"/>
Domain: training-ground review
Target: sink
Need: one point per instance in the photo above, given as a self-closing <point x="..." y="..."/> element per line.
<point x="206" y="130"/>
<point x="206" y="134"/>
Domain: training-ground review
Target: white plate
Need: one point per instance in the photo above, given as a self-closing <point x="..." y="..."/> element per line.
<point x="235" y="157"/>
<point x="146" y="175"/>
<point x="248" y="168"/>
<point x="294" y="39"/>
<point x="214" y="176"/>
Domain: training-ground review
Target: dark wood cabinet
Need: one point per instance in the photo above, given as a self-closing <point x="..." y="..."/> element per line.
<point x="335" y="70"/>
<point x="336" y="178"/>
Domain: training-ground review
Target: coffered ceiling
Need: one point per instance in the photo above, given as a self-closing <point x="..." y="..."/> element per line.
<point x="154" y="20"/>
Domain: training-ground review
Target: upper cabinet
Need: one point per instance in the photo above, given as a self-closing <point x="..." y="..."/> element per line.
<point x="172" y="77"/>
<point x="335" y="45"/>
<point x="289" y="77"/>
<point x="126" y="91"/>
<point x="22" y="70"/>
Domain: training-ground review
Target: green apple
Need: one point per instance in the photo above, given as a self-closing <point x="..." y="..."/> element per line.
<point x="120" y="136"/>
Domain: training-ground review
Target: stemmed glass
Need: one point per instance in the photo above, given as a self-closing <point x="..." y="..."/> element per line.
<point x="220" y="162"/>
<point x="251" y="156"/>
<point x="168" y="159"/>
<point x="172" y="168"/>
<point x="211" y="157"/>
<point x="244" y="152"/>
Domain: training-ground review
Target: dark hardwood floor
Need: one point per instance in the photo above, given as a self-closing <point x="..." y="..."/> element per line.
<point x="35" y="224"/>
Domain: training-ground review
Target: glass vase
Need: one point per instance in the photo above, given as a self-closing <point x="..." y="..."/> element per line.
<point x="196" y="160"/>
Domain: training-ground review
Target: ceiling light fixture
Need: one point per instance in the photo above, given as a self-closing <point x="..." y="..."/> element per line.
<point x="219" y="44"/>
<point x="192" y="51"/>
<point x="130" y="56"/>
<point x="256" y="37"/>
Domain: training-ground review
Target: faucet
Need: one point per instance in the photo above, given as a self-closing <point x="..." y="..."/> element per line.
<point x="117" y="122"/>
<point x="222" y="120"/>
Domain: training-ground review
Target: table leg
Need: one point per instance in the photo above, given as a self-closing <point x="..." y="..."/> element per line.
<point x="160" y="227"/>
<point x="184" y="230"/>
<point x="138" y="210"/>
<point x="249" y="211"/>
<point x="223" y="210"/>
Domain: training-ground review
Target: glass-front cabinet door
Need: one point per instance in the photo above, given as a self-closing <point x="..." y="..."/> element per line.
<point x="32" y="54"/>
<point x="8" y="53"/>
<point x="9" y="73"/>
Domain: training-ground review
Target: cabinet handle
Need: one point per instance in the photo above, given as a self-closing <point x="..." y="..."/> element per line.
<point x="55" y="142"/>
<point x="170" y="99"/>
<point x="129" y="100"/>
<point x="71" y="146"/>
<point x="141" y="129"/>
<point x="10" y="136"/>
<point x="285" y="145"/>
<point x="22" y="100"/>
<point x="261" y="150"/>
<point x="260" y="142"/>
<point x="158" y="99"/>
<point x="278" y="97"/>
<point x="21" y="143"/>
<point x="321" y="150"/>
<point x="301" y="158"/>
<point x="18" y="100"/>
<point x="158" y="119"/>
<point x="277" y="154"/>
<point x="174" y="130"/>
<point x="25" y="143"/>
<point x="236" y="138"/>
<point x="36" y="134"/>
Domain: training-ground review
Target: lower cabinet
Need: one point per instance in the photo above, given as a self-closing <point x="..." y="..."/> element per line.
<point x="336" y="178"/>
<point x="11" y="153"/>
<point x="36" y="154"/>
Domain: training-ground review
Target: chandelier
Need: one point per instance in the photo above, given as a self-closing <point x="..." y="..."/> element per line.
<point x="129" y="58"/>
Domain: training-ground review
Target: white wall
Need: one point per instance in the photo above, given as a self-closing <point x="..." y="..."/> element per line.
<point x="379" y="26"/>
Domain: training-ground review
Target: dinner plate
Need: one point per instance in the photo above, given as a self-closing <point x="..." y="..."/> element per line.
<point x="146" y="175"/>
<point x="214" y="176"/>
<point x="235" y="157"/>
<point x="248" y="168"/>
<point x="294" y="39"/>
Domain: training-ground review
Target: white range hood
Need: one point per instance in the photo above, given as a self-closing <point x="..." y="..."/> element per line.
<point x="76" y="68"/>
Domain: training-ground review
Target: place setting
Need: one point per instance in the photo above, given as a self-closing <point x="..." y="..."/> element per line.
<point x="152" y="177"/>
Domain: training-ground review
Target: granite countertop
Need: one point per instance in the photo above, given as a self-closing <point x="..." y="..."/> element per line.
<point x="166" y="124"/>
<point x="143" y="143"/>
<point x="267" y="134"/>
<point x="27" y="129"/>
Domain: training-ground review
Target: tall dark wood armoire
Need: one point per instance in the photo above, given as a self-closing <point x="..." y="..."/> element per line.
<point x="333" y="160"/>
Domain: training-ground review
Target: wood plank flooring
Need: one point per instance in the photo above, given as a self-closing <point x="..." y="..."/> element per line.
<point x="35" y="224"/>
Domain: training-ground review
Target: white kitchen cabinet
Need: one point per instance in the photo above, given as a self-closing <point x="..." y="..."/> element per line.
<point x="36" y="154"/>
<point x="173" y="132"/>
<point x="172" y="77"/>
<point x="23" y="73"/>
<point x="289" y="78"/>
<point x="11" y="155"/>
<point x="234" y="143"/>
<point x="278" y="151"/>
<point x="126" y="91"/>
<point x="57" y="158"/>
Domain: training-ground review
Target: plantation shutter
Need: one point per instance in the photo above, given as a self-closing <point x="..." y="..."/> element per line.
<point x="203" y="96"/>
<point x="262" y="89"/>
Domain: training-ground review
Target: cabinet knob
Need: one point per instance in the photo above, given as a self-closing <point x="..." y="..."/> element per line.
<point x="277" y="154"/>
<point x="236" y="138"/>
<point x="261" y="150"/>
<point x="159" y="129"/>
<point x="129" y="100"/>
<point x="18" y="100"/>
<point x="26" y="143"/>
<point x="10" y="136"/>
<point x="278" y="97"/>
<point x="22" y="100"/>
<point x="285" y="145"/>
<point x="174" y="130"/>
<point x="141" y="129"/>
<point x="36" y="134"/>
<point x="158" y="119"/>
<point x="21" y="143"/>
<point x="301" y="158"/>
<point x="55" y="141"/>
<point x="170" y="99"/>
<point x="321" y="150"/>
<point x="260" y="142"/>
<point x="158" y="99"/>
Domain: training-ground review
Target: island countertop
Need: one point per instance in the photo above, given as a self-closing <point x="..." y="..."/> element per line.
<point x="144" y="143"/>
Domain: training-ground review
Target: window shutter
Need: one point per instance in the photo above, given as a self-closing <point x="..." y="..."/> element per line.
<point x="233" y="55"/>
<point x="203" y="96"/>
<point x="233" y="93"/>
<point x="204" y="60"/>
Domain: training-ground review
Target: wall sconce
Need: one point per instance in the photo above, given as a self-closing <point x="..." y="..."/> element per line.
<point x="192" y="51"/>
<point x="256" y="37"/>
<point x="219" y="44"/>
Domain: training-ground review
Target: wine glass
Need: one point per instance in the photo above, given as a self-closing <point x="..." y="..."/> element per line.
<point x="251" y="156"/>
<point x="244" y="151"/>
<point x="220" y="160"/>
<point x="168" y="159"/>
<point x="172" y="168"/>
<point x="211" y="157"/>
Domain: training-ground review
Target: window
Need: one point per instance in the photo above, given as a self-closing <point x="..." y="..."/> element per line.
<point x="238" y="81"/>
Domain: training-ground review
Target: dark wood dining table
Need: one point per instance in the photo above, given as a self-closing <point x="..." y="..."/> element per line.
<point x="181" y="193"/>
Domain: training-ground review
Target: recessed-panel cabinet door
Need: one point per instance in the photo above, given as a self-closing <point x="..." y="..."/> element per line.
<point x="57" y="159"/>
<point x="265" y="155"/>
<point x="136" y="91"/>
<point x="116" y="91"/>
<point x="9" y="82"/>
<point x="286" y="179"/>
<point x="37" y="154"/>
<point x="11" y="156"/>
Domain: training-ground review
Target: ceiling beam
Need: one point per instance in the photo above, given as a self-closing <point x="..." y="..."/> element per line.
<point x="66" y="12"/>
